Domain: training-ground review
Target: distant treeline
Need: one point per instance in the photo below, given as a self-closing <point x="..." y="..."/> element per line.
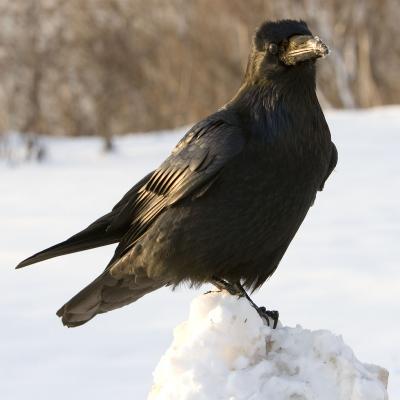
<point x="108" y="67"/>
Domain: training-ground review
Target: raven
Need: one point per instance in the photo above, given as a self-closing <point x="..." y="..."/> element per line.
<point x="225" y="205"/>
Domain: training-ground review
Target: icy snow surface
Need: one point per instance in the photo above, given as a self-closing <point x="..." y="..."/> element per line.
<point x="341" y="272"/>
<point x="225" y="351"/>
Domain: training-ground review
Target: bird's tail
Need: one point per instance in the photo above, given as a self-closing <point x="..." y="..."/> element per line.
<point x="95" y="235"/>
<point x="104" y="294"/>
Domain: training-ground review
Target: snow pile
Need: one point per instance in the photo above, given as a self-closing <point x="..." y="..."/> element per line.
<point x="225" y="351"/>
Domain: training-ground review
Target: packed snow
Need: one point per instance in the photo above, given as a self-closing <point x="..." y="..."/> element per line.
<point x="226" y="351"/>
<point x="341" y="272"/>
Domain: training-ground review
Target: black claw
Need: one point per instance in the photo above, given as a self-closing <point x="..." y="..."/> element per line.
<point x="266" y="314"/>
<point x="274" y="315"/>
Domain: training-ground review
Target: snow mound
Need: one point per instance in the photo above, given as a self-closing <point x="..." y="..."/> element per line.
<point x="225" y="351"/>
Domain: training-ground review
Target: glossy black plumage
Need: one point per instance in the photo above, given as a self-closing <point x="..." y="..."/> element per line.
<point x="229" y="199"/>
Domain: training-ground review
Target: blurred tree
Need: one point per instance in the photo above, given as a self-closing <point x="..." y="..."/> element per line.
<point x="106" y="67"/>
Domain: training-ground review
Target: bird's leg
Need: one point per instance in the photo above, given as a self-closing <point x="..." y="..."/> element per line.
<point x="237" y="289"/>
<point x="221" y="284"/>
<point x="262" y="311"/>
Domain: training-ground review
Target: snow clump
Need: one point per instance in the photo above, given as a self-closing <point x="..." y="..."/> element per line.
<point x="225" y="351"/>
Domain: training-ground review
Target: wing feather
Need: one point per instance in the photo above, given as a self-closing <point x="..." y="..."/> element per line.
<point x="189" y="171"/>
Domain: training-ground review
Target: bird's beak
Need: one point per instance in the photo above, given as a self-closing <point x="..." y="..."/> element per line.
<point x="303" y="48"/>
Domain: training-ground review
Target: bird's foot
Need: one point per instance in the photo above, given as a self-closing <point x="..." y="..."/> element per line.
<point x="269" y="315"/>
<point x="236" y="289"/>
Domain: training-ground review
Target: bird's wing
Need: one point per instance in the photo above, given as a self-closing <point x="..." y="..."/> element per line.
<point x="332" y="164"/>
<point x="197" y="158"/>
<point x="189" y="171"/>
<point x="97" y="234"/>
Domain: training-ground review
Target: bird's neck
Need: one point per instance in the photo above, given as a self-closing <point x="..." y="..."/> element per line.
<point x="271" y="109"/>
<point x="295" y="91"/>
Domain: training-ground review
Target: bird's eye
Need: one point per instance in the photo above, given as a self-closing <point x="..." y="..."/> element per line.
<point x="272" y="48"/>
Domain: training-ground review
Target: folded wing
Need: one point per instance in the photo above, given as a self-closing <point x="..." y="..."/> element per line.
<point x="188" y="171"/>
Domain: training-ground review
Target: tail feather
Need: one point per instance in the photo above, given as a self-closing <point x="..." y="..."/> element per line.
<point x="102" y="295"/>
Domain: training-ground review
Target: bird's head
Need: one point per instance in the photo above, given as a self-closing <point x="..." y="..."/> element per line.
<point x="281" y="48"/>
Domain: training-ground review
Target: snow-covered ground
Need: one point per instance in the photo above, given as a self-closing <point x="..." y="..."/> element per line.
<point x="226" y="351"/>
<point x="341" y="272"/>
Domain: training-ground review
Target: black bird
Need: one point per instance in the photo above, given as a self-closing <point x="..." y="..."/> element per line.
<point x="225" y="205"/>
